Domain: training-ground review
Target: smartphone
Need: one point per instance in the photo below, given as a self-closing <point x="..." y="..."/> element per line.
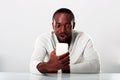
<point x="61" y="48"/>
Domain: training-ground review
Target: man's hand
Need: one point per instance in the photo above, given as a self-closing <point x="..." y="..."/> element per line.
<point x="55" y="63"/>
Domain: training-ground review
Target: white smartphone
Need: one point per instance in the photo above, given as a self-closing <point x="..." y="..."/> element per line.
<point x="61" y="48"/>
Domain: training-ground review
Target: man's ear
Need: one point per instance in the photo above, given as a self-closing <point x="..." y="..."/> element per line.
<point x="53" y="25"/>
<point x="73" y="25"/>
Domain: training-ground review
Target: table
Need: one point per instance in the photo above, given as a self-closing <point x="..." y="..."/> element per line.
<point x="28" y="76"/>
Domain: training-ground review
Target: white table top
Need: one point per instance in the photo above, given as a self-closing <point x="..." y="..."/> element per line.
<point x="28" y="76"/>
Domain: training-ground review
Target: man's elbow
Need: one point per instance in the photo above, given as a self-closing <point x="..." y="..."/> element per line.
<point x="96" y="67"/>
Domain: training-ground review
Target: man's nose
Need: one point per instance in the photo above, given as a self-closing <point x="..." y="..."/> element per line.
<point x="63" y="29"/>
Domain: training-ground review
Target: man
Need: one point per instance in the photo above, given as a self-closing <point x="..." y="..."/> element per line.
<point x="81" y="56"/>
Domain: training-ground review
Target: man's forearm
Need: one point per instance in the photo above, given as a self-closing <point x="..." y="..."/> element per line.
<point x="92" y="66"/>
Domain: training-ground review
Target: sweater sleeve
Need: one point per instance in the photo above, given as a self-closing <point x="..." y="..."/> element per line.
<point x="90" y="62"/>
<point x="38" y="55"/>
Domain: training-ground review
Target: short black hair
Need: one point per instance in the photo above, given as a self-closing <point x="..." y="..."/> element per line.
<point x="64" y="10"/>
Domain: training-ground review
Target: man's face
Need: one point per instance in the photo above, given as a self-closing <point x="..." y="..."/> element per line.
<point x="62" y="26"/>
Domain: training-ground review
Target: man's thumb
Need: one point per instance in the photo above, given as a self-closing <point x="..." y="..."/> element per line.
<point x="54" y="52"/>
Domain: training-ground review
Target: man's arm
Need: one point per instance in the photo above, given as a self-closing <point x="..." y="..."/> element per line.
<point x="86" y="67"/>
<point x="90" y="62"/>
<point x="37" y="64"/>
<point x="38" y="55"/>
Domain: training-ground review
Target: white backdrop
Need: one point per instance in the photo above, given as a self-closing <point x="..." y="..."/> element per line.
<point x="21" y="21"/>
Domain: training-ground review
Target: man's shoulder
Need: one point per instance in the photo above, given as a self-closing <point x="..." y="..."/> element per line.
<point x="45" y="35"/>
<point x="79" y="33"/>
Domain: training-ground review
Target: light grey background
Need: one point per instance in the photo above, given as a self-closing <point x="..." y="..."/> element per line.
<point x="21" y="21"/>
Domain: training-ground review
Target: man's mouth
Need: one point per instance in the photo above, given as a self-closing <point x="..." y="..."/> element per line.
<point x="63" y="36"/>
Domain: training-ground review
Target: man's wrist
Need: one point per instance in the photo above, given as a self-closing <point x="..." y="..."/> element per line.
<point x="66" y="69"/>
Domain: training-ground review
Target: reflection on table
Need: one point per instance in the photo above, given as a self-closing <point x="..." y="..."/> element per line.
<point x="28" y="76"/>
<point x="105" y="76"/>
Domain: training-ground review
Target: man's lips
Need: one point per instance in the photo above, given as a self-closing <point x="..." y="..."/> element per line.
<point x="63" y="36"/>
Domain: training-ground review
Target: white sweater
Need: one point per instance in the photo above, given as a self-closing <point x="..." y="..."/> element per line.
<point x="83" y="57"/>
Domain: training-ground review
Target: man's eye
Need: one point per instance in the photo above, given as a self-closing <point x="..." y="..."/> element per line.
<point x="68" y="26"/>
<point x="57" y="26"/>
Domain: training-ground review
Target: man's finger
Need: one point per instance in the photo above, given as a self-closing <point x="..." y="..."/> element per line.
<point x="53" y="52"/>
<point x="66" y="59"/>
<point x="66" y="63"/>
<point x="64" y="55"/>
